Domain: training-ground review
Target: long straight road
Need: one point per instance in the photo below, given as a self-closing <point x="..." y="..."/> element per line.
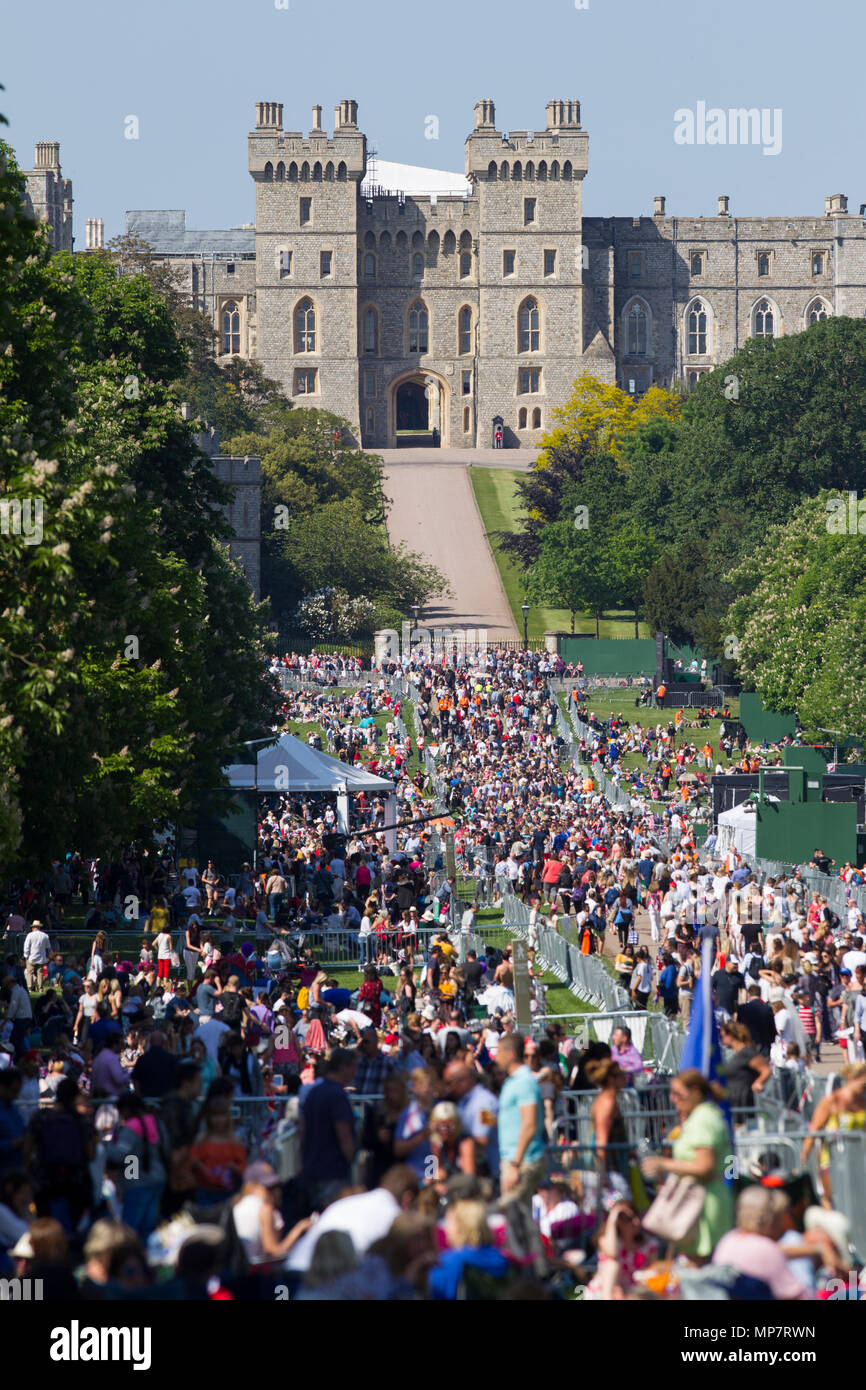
<point x="433" y="510"/>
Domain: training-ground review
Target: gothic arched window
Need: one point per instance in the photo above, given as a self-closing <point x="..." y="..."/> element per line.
<point x="305" y="326"/>
<point x="419" y="325"/>
<point x="636" y="330"/>
<point x="763" y="323"/>
<point x="231" y="328"/>
<point x="529" y="326"/>
<point x="696" y="329"/>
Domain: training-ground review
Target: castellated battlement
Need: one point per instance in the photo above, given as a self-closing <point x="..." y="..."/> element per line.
<point x="277" y="155"/>
<point x="562" y="140"/>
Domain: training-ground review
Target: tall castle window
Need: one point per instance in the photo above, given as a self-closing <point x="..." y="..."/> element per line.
<point x="326" y="261"/>
<point x="817" y="262"/>
<point x="816" y="311"/>
<point x="231" y="326"/>
<point x="763" y="324"/>
<point x="529" y="208"/>
<point x="529" y="327"/>
<point x="419" y="325"/>
<point x="369" y="266"/>
<point x="371" y="330"/>
<point x="536" y="418"/>
<point x="305" y="326"/>
<point x="465" y="264"/>
<point x="418" y="266"/>
<point x="306" y="211"/>
<point x="696" y="329"/>
<point x="464" y="331"/>
<point x="508" y="262"/>
<point x="530" y="381"/>
<point x="284" y="263"/>
<point x="763" y="262"/>
<point x="636" y="334"/>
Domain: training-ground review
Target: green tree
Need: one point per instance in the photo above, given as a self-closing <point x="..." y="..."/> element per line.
<point x="131" y="663"/>
<point x="568" y="573"/>
<point x="596" y="422"/>
<point x="631" y="550"/>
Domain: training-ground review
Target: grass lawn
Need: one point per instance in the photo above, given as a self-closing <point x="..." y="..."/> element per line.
<point x="499" y="505"/>
<point x="302" y="730"/>
<point x="608" y="702"/>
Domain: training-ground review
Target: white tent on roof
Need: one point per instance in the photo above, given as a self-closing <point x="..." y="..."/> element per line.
<point x="289" y="765"/>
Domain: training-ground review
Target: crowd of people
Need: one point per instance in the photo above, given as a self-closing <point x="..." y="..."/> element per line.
<point x="226" y="1114"/>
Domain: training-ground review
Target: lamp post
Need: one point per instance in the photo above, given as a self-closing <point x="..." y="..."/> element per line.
<point x="524" y="608"/>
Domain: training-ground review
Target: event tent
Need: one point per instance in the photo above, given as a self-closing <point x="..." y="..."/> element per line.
<point x="736" y="830"/>
<point x="290" y="765"/>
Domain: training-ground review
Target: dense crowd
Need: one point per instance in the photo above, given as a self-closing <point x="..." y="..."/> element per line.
<point x="222" y="1112"/>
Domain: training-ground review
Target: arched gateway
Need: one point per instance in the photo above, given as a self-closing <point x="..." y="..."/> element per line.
<point x="417" y="408"/>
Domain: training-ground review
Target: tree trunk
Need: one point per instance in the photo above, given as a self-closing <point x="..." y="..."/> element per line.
<point x="597" y="617"/>
<point x="635" y="621"/>
<point x="572" y="622"/>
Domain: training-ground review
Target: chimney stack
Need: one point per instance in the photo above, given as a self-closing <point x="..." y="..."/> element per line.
<point x="835" y="203"/>
<point x="346" y="114"/>
<point x="485" y="115"/>
<point x="724" y="205"/>
<point x="47" y="154"/>
<point x="317" y="121"/>
<point x="659" y="205"/>
<point x="269" y="115"/>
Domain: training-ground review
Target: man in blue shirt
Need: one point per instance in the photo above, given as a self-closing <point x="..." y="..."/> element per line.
<point x="522" y="1140"/>
<point x="328" y="1141"/>
<point x="645" y="867"/>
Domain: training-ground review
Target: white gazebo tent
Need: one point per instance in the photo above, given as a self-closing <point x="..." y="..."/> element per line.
<point x="736" y="830"/>
<point x="289" y="765"/>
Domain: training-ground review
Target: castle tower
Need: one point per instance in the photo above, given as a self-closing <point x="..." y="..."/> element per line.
<point x="528" y="185"/>
<point x="306" y="254"/>
<point x="50" y="195"/>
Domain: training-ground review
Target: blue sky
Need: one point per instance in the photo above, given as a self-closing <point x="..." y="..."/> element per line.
<point x="192" y="71"/>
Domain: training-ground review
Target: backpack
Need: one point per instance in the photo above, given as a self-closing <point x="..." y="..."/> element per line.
<point x="233" y="1009"/>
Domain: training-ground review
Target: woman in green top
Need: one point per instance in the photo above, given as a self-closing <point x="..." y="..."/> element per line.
<point x="701" y="1150"/>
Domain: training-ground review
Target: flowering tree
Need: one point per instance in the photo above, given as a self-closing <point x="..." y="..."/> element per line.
<point x="798" y="625"/>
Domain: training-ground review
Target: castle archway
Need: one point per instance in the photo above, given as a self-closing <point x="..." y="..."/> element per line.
<point x="417" y="407"/>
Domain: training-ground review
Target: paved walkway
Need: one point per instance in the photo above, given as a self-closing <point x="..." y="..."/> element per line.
<point x="518" y="459"/>
<point x="433" y="510"/>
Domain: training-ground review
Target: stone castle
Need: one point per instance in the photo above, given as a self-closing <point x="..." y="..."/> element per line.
<point x="409" y="300"/>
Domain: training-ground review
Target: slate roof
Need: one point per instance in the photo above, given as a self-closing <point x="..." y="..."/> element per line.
<point x="168" y="234"/>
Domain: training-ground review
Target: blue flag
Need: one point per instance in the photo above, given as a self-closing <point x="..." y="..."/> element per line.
<point x="702" y="1048"/>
